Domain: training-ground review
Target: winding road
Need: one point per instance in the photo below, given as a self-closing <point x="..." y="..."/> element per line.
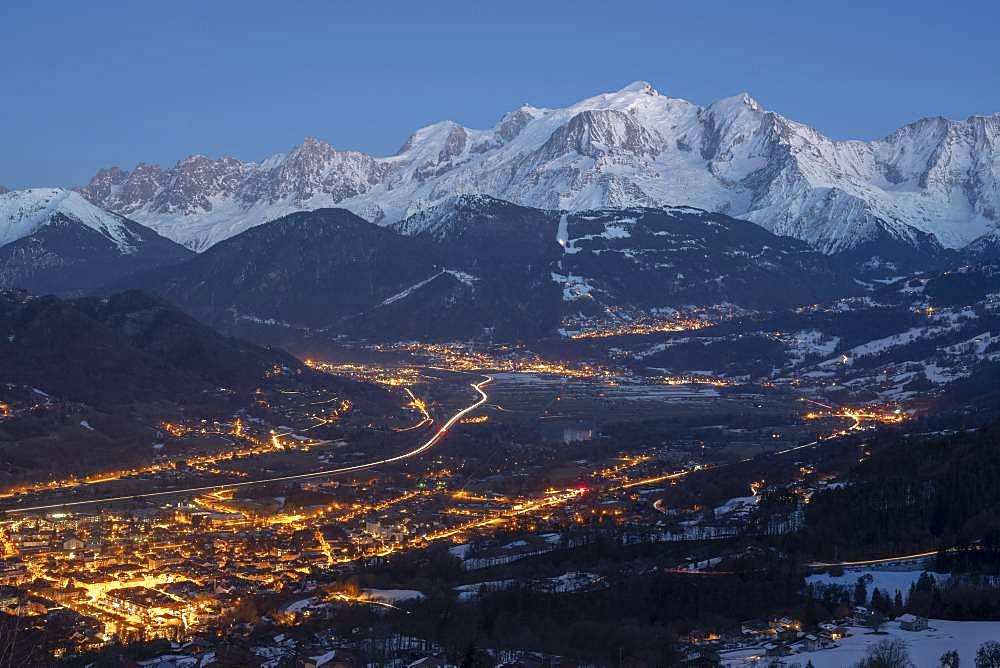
<point x="424" y="447"/>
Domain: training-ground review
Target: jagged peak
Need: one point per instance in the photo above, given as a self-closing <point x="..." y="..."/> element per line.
<point x="441" y="128"/>
<point x="736" y="103"/>
<point x="192" y="159"/>
<point x="640" y="87"/>
<point x="311" y="143"/>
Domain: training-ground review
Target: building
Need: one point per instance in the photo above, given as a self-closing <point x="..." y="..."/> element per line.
<point x="568" y="431"/>
<point x="12" y="572"/>
<point x="910" y="622"/>
<point x="72" y="544"/>
<point x="141" y="603"/>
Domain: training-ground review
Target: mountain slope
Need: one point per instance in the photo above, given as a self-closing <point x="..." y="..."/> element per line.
<point x="55" y="241"/>
<point x="633" y="147"/>
<point x="308" y="268"/>
<point x="476" y="266"/>
<point x="127" y="347"/>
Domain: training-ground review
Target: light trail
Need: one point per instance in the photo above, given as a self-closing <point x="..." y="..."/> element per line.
<point x="427" y="445"/>
<point x="420" y="405"/>
<point x="652" y="481"/>
<point x="787" y="450"/>
<point x="820" y="404"/>
<point x="872" y="562"/>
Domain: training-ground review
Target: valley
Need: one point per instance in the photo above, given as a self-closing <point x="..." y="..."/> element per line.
<point x="486" y="445"/>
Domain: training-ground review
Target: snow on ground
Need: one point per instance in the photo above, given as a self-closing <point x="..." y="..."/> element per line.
<point x="611" y="231"/>
<point x="737" y="503"/>
<point x="24" y="212"/>
<point x="460" y="551"/>
<point x="169" y="661"/>
<point x="470" y="591"/>
<point x="566" y="583"/>
<point x="878" y="346"/>
<point x="886" y="581"/>
<point x="562" y="233"/>
<point x="574" y="287"/>
<point x="300" y="605"/>
<point x="467" y="279"/>
<point x="808" y="342"/>
<point x="394" y="595"/>
<point x="408" y="291"/>
<point x="926" y="647"/>
<point x="571" y="582"/>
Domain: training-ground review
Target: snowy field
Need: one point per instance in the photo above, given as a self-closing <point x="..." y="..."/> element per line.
<point x="394" y="595"/>
<point x="885" y="580"/>
<point x="926" y="647"/>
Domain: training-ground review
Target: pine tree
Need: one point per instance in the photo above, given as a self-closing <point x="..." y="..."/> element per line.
<point x="861" y="592"/>
<point x="876" y="600"/>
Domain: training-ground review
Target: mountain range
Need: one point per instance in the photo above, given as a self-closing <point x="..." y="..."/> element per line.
<point x="931" y="185"/>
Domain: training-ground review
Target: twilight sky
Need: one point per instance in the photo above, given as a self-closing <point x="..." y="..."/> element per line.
<point x="86" y="85"/>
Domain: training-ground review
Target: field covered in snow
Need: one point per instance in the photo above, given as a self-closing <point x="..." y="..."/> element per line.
<point x="926" y="647"/>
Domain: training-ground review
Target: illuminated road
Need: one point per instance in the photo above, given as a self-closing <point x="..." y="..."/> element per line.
<point x="873" y="562"/>
<point x="424" y="447"/>
<point x="422" y="407"/>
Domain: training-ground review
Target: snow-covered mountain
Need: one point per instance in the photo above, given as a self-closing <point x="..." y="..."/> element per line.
<point x="633" y="147"/>
<point x="54" y="240"/>
<point x="24" y="212"/>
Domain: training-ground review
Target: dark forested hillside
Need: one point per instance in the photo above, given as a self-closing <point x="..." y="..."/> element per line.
<point x="129" y="347"/>
<point x="919" y="493"/>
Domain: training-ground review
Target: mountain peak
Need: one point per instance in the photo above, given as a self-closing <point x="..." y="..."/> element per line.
<point x="311" y="143"/>
<point x="640" y="87"/>
<point x="750" y="102"/>
<point x="736" y="104"/>
<point x="24" y="212"/>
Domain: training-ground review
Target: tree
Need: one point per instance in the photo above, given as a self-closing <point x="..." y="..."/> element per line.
<point x="875" y="621"/>
<point x="878" y="603"/>
<point x="889" y="653"/>
<point x="232" y="655"/>
<point x="988" y="655"/>
<point x="897" y="606"/>
<point x="950" y="659"/>
<point x="810" y="616"/>
<point x="860" y="592"/>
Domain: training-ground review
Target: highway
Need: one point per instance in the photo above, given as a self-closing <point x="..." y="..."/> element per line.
<point x="424" y="447"/>
<point x="874" y="562"/>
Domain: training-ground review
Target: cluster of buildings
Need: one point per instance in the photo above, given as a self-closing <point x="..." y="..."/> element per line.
<point x="177" y="568"/>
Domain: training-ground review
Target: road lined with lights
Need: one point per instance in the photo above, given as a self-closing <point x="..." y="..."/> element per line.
<point x="427" y="445"/>
<point x="873" y="562"/>
<point x="858" y="416"/>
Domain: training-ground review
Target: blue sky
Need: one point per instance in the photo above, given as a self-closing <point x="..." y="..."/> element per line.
<point x="87" y="85"/>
